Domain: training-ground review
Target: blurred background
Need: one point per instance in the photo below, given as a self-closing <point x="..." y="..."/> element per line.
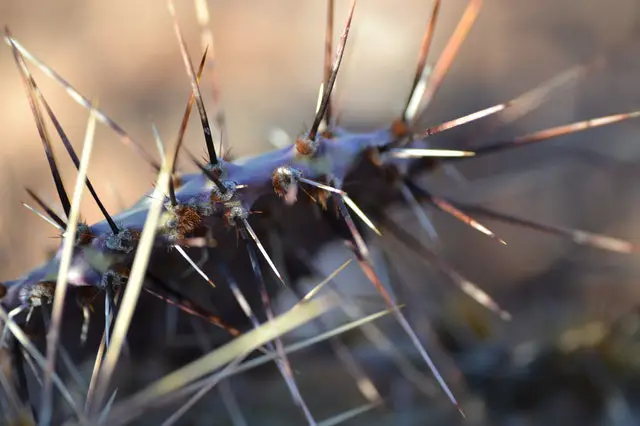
<point x="269" y="57"/>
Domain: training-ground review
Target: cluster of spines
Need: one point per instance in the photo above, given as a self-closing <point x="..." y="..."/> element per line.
<point x="319" y="159"/>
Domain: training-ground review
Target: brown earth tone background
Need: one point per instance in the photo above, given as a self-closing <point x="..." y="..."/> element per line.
<point x="269" y="57"/>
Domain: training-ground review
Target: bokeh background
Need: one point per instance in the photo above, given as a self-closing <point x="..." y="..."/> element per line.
<point x="269" y="59"/>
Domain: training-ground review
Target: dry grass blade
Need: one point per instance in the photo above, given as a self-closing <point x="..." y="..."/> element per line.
<point x="126" y="412"/>
<point x="263" y="359"/>
<point x="134" y="285"/>
<point x="218" y="358"/>
<point x="68" y="243"/>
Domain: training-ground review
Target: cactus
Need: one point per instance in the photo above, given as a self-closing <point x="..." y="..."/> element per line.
<point x="227" y="210"/>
